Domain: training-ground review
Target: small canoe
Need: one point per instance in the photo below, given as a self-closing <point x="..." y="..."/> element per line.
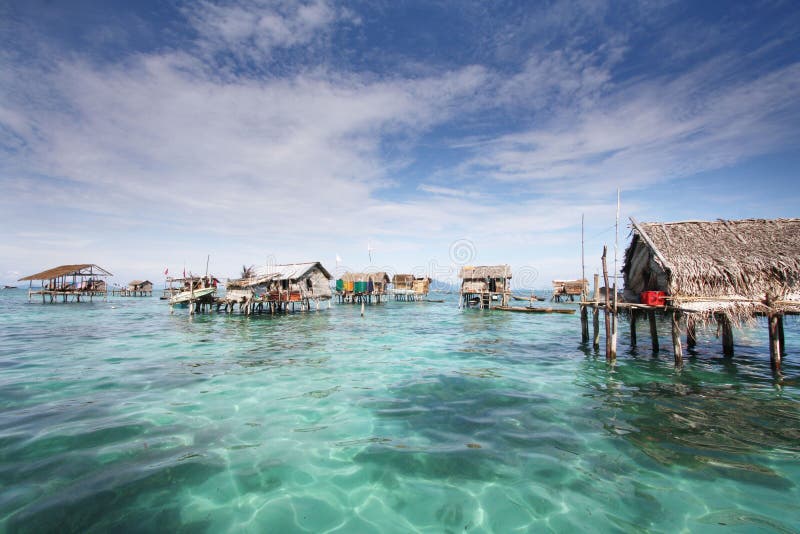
<point x="527" y="299"/>
<point x="534" y="310"/>
<point x="186" y="296"/>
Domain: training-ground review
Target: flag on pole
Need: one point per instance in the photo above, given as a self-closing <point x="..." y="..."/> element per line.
<point x="166" y="271"/>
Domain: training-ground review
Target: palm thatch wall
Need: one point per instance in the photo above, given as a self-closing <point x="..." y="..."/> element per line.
<point x="733" y="267"/>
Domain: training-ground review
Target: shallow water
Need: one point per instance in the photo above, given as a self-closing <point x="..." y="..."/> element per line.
<point x="417" y="417"/>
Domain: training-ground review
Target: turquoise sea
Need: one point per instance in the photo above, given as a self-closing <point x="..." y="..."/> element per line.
<point x="419" y="417"/>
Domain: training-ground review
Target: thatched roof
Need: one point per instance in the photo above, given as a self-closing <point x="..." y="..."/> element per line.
<point x="290" y="271"/>
<point x="139" y="282"/>
<point x="402" y="278"/>
<point x="287" y="271"/>
<point x="739" y="260"/>
<point x="80" y="269"/>
<point x="379" y="276"/>
<point x="481" y="272"/>
<point x="241" y="283"/>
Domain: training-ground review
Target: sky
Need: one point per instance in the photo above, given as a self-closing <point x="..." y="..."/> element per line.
<point x="402" y="136"/>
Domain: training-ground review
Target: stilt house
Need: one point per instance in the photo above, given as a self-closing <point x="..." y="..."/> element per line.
<point x="280" y="286"/>
<point x="569" y="289"/>
<point x="69" y="283"/>
<point x="421" y="286"/>
<point x="358" y="287"/>
<point x="728" y="271"/>
<point x="485" y="286"/>
<point x="408" y="287"/>
<point x="138" y="288"/>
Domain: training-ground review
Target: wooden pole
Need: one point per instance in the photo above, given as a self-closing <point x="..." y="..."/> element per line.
<point x="596" y="312"/>
<point x="691" y="333"/>
<point x="774" y="342"/>
<point x="676" y="339"/>
<point x="633" y="327"/>
<point x="727" y="337"/>
<point x="651" y="316"/>
<point x="611" y="350"/>
<point x="780" y="334"/>
<point x="584" y="324"/>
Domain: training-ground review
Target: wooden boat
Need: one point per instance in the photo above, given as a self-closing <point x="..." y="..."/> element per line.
<point x="185" y="296"/>
<point x="9" y="287"/>
<point x="527" y="299"/>
<point x="534" y="310"/>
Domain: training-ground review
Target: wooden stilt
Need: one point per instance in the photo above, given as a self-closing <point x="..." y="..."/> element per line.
<point x="596" y="326"/>
<point x="633" y="327"/>
<point x="584" y="324"/>
<point x="611" y="347"/>
<point x="774" y="342"/>
<point x="691" y="333"/>
<point x="781" y="339"/>
<point x="651" y="316"/>
<point x="727" y="336"/>
<point x="676" y="339"/>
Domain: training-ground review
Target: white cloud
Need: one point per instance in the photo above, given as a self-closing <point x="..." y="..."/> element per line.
<point x="251" y="30"/>
<point x="650" y="131"/>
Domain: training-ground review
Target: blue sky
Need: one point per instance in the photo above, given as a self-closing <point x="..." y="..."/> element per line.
<point x="146" y="135"/>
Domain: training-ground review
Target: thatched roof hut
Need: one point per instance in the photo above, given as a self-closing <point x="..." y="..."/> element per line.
<point x="311" y="280"/>
<point x="379" y="279"/>
<point x="140" y="285"/>
<point x="486" y="283"/>
<point x="403" y="282"/>
<point x="735" y="268"/>
<point x="421" y="285"/>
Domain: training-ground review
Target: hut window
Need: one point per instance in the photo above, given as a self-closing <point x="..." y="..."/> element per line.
<point x="309" y="283"/>
<point x="492" y="284"/>
<point x="284" y="284"/>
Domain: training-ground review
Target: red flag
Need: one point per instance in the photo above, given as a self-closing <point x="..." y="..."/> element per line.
<point x="184" y="272"/>
<point x="166" y="271"/>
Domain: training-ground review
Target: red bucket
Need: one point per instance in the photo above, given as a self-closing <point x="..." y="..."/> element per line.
<point x="653" y="298"/>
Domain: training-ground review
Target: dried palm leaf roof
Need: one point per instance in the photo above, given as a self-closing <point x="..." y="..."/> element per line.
<point x="402" y="278"/>
<point x="266" y="273"/>
<point x="290" y="271"/>
<point x="379" y="276"/>
<point x="79" y="269"/>
<point x="750" y="257"/>
<point x="139" y="282"/>
<point x="475" y="273"/>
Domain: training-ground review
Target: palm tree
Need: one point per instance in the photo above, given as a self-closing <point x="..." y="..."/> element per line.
<point x="247" y="272"/>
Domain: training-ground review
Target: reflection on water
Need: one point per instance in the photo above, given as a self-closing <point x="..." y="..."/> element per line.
<point x="416" y="417"/>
